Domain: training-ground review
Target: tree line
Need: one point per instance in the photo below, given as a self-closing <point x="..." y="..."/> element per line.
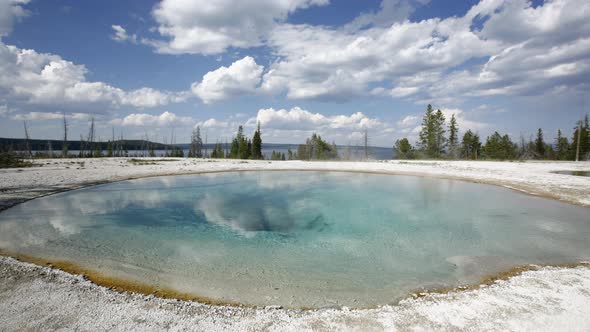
<point x="243" y="147"/>
<point x="439" y="139"/>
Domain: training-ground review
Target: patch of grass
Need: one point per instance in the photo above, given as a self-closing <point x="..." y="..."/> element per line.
<point x="11" y="159"/>
<point x="139" y="162"/>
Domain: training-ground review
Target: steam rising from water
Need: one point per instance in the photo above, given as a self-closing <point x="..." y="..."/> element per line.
<point x="298" y="238"/>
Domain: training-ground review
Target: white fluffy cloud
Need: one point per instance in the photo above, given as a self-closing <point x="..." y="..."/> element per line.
<point x="148" y="97"/>
<point x="44" y="79"/>
<point x="542" y="53"/>
<point x="409" y="120"/>
<point x="40" y="116"/>
<point x="35" y="116"/>
<point x="10" y="12"/>
<point x="320" y="62"/>
<point x="300" y="119"/>
<point x="212" y="123"/>
<point x="241" y="77"/>
<point x="295" y="124"/>
<point x="143" y="119"/>
<point x="210" y="27"/>
<point x="517" y="48"/>
<point x="121" y="35"/>
<point x="529" y="50"/>
<point x="463" y="120"/>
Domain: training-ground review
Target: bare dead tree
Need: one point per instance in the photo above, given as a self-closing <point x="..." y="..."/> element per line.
<point x="193" y="148"/>
<point x="145" y="144"/>
<point x="64" y="146"/>
<point x="206" y="152"/>
<point x="579" y="139"/>
<point x="226" y="152"/>
<point x="27" y="140"/>
<point x="82" y="146"/>
<point x="49" y="149"/>
<point x="347" y="153"/>
<point x="165" y="140"/>
<point x="366" y="143"/>
<point x="121" y="144"/>
<point x="91" y="133"/>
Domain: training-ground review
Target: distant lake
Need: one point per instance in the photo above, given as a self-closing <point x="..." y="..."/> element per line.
<point x="345" y="152"/>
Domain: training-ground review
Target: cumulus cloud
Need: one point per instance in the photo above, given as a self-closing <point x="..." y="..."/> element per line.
<point x="11" y="11"/>
<point x="542" y="53"/>
<point x="143" y="119"/>
<point x="408" y="120"/>
<point x="300" y="119"/>
<point x="241" y="77"/>
<point x="40" y="116"/>
<point x="210" y="27"/>
<point x="35" y="116"/>
<point x="529" y="50"/>
<point x="463" y="119"/>
<point x="212" y="123"/>
<point x="517" y="48"/>
<point x="324" y="62"/>
<point x="120" y="35"/>
<point x="45" y="79"/>
<point x="148" y="97"/>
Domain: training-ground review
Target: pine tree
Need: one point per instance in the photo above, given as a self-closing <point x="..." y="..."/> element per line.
<point x="432" y="134"/>
<point x="453" y="137"/>
<point x="235" y="144"/>
<point x="317" y="149"/>
<point x="257" y="144"/>
<point x="562" y="147"/>
<point x="403" y="149"/>
<point x="198" y="144"/>
<point x="243" y="151"/>
<point x="302" y="152"/>
<point x="470" y="146"/>
<point x="500" y="147"/>
<point x="439" y="134"/>
<point x="540" y="145"/>
<point x="241" y="147"/>
<point x="584" y="134"/>
<point x="196" y="148"/>
<point x="427" y="138"/>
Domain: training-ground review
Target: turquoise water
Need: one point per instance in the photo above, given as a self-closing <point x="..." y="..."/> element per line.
<point x="300" y="239"/>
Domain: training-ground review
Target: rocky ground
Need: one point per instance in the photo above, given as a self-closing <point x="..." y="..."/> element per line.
<point x="42" y="298"/>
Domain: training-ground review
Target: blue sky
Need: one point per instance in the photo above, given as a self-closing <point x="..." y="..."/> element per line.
<point x="296" y="66"/>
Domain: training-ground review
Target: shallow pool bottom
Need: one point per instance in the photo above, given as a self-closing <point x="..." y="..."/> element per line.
<point x="297" y="239"/>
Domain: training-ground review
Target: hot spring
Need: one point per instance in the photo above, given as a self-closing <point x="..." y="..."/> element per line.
<point x="297" y="239"/>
